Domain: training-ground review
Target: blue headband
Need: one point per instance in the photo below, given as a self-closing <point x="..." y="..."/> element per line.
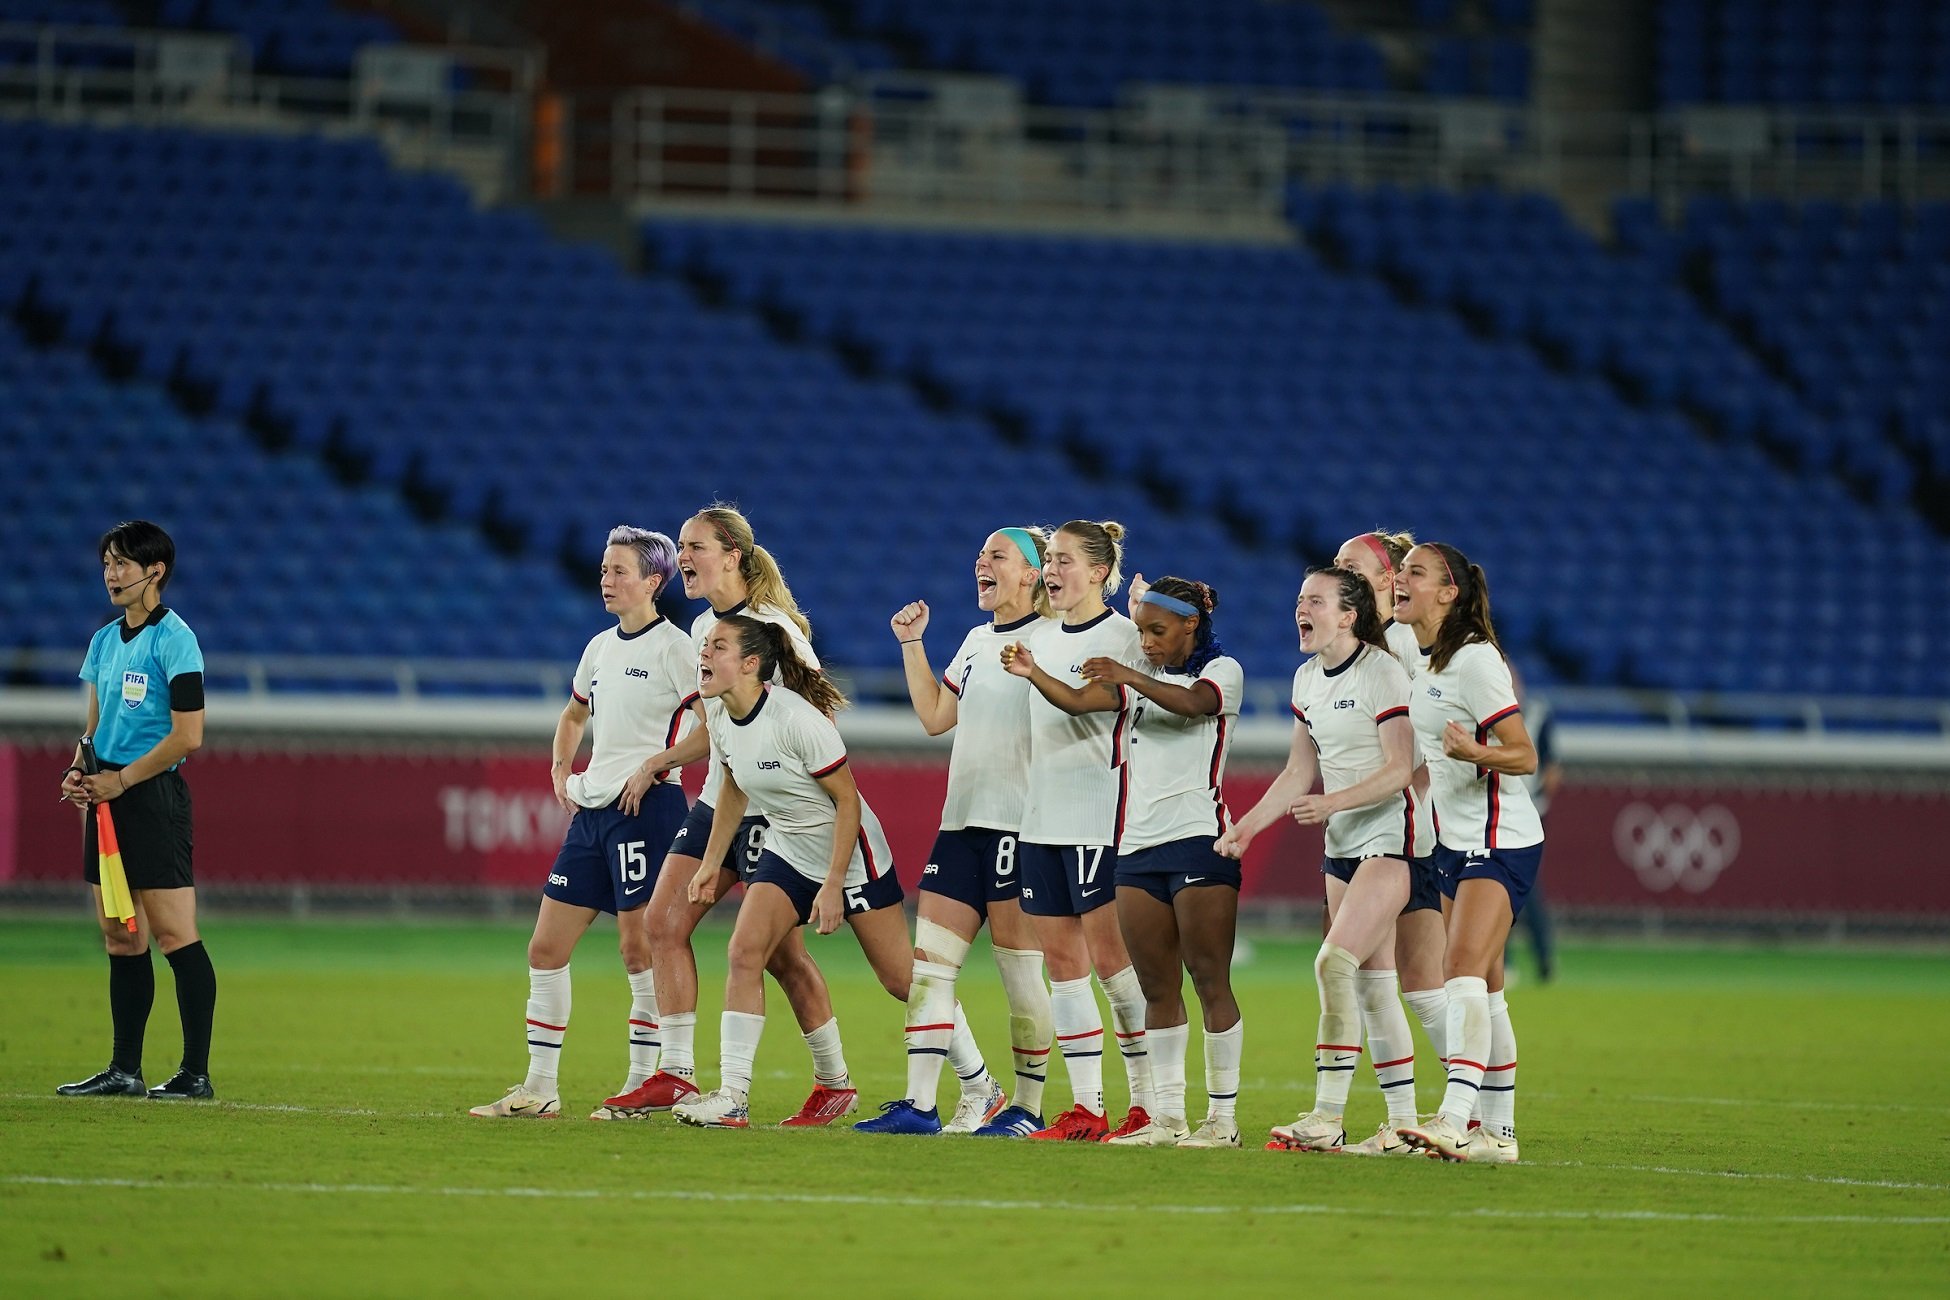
<point x="1025" y="543"/>
<point x="1171" y="603"/>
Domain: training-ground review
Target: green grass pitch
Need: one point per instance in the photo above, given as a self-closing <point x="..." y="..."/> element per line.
<point x="1693" y="1121"/>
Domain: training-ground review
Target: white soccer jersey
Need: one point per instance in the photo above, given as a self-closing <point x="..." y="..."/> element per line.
<point x="1474" y="809"/>
<point x="1343" y="709"/>
<point x="700" y="630"/>
<point x="1177" y="763"/>
<point x="1077" y="772"/>
<point x="778" y="752"/>
<point x="988" y="771"/>
<point x="1421" y="838"/>
<point x="638" y="688"/>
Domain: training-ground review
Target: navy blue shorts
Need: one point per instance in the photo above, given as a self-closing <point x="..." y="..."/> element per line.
<point x="771" y="869"/>
<point x="1066" y="879"/>
<point x="974" y="866"/>
<point x="609" y="860"/>
<point x="1424" y="894"/>
<point x="695" y="833"/>
<point x="1514" y="869"/>
<point x="1164" y="869"/>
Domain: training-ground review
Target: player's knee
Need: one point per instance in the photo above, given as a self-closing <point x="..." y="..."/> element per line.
<point x="1211" y="980"/>
<point x="635" y="947"/>
<point x="120" y="943"/>
<point x="747" y="955"/>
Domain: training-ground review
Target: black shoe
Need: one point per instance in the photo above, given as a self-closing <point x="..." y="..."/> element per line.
<point x="184" y="1087"/>
<point x="112" y="1082"/>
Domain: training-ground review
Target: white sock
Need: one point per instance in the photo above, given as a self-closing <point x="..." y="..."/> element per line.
<point x="1031" y="1028"/>
<point x="1469" y="1046"/>
<point x="1127" y="1013"/>
<point x="966" y="1056"/>
<point x="1391" y="1046"/>
<point x="1080" y="1035"/>
<point x="548" y="1021"/>
<point x="1337" y="1047"/>
<point x="829" y="1062"/>
<point x="738" y="1037"/>
<point x="679" y="1033"/>
<point x="1166" y="1052"/>
<point x="645" y="1046"/>
<point x="930" y="1024"/>
<point x="1431" y="1007"/>
<point x="1496" y="1105"/>
<point x="1222" y="1052"/>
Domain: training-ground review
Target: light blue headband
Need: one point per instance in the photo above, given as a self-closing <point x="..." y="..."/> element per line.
<point x="1025" y="543"/>
<point x="1171" y="603"/>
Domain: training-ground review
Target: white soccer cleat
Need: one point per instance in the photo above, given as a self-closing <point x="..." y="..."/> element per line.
<point x="721" y="1109"/>
<point x="978" y="1107"/>
<point x="1385" y="1142"/>
<point x="520" y="1104"/>
<point x="1313" y="1131"/>
<point x="1490" y="1148"/>
<point x="1216" y="1131"/>
<point x="1162" y="1131"/>
<point x="1439" y="1137"/>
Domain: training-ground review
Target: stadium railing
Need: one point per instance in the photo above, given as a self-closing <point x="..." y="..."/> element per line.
<point x="464" y="108"/>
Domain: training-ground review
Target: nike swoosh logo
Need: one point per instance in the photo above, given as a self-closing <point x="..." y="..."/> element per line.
<point x="1193" y="880"/>
<point x="630" y="892"/>
<point x="1088" y="892"/>
<point x="1339" y="1059"/>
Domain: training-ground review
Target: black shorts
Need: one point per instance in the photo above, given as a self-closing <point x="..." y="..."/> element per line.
<point x="1166" y="870"/>
<point x="695" y="833"/>
<point x="1514" y="869"/>
<point x="1424" y="894"/>
<point x="771" y="869"/>
<point x="976" y="866"/>
<point x="152" y="828"/>
<point x="1067" y="879"/>
<point x="609" y="860"/>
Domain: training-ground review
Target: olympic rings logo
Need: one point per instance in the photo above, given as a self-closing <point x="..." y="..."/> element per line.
<point x="1675" y="845"/>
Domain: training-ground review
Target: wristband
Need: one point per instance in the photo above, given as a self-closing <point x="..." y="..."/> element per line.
<point x="912" y="641"/>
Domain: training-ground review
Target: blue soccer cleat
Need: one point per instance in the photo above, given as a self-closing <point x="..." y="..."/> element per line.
<point x="902" y="1117"/>
<point x="1014" y="1122"/>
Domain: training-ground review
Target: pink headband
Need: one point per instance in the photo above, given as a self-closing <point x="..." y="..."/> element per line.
<point x="1381" y="552"/>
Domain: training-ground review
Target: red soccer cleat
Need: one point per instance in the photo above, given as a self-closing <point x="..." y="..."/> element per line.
<point x="1134" y="1121"/>
<point x="823" y="1107"/>
<point x="660" y="1091"/>
<point x="1074" y="1125"/>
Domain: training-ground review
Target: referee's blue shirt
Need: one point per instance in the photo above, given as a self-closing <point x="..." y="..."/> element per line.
<point x="132" y="679"/>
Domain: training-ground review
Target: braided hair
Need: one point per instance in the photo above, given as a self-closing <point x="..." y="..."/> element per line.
<point x="1201" y="597"/>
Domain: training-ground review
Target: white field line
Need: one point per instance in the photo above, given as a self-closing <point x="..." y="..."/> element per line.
<point x="1638" y="1098"/>
<point x="1662" y="1170"/>
<point x="964" y="1203"/>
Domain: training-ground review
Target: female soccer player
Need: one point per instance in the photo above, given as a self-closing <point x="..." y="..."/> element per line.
<point x="723" y="564"/>
<point x="1178" y="899"/>
<point x="1490" y="841"/>
<point x="148" y="665"/>
<point x="1377" y="556"/>
<point x="1350" y="704"/>
<point x="824" y="858"/>
<point x="1075" y="811"/>
<point x="971" y="873"/>
<point x="644" y="669"/>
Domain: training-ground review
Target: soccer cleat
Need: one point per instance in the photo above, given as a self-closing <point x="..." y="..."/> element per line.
<point x="1439" y="1136"/>
<point x="721" y="1109"/>
<point x="660" y="1091"/>
<point x="823" y="1107"/>
<point x="1015" y="1122"/>
<point x="1135" y="1119"/>
<point x="184" y="1086"/>
<point x="978" y="1107"/>
<point x="111" y="1082"/>
<point x="1313" y="1131"/>
<point x="1216" y="1131"/>
<point x="1076" y="1124"/>
<point x="1385" y="1142"/>
<point x="902" y="1117"/>
<point x="520" y="1104"/>
<point x="1491" y="1148"/>
<point x="1164" y="1131"/>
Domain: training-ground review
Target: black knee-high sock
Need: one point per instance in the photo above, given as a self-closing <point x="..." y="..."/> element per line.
<point x="196" y="1002"/>
<point x="131" y="992"/>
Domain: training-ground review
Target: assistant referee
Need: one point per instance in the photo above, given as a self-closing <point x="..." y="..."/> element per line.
<point x="144" y="684"/>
